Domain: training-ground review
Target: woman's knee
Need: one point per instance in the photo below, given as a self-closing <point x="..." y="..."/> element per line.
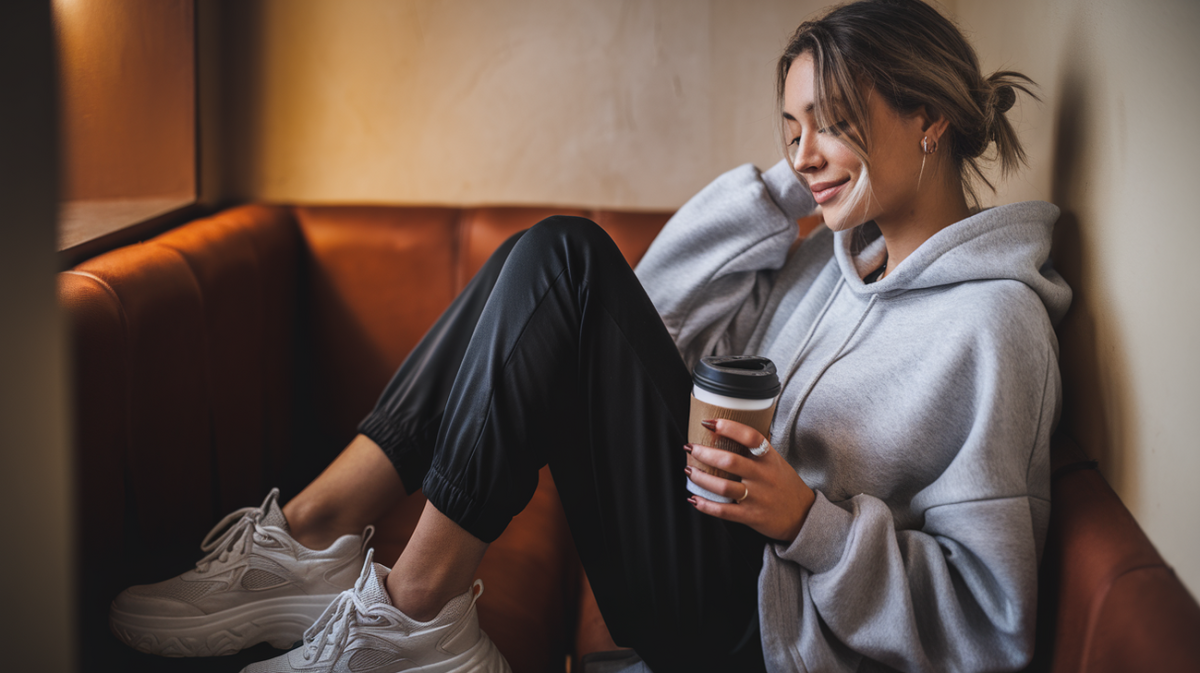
<point x="571" y="234"/>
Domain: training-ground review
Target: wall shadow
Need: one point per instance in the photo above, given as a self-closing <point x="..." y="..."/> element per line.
<point x="242" y="88"/>
<point x="1097" y="407"/>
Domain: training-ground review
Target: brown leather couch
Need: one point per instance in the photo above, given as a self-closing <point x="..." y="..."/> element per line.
<point x="238" y="352"/>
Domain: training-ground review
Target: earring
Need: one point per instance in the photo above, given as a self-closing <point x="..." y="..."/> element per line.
<point x="927" y="148"/>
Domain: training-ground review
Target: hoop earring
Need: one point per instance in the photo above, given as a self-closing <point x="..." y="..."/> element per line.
<point x="926" y="150"/>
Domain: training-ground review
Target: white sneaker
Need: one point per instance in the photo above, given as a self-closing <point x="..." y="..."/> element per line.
<point x="361" y="632"/>
<point x="256" y="584"/>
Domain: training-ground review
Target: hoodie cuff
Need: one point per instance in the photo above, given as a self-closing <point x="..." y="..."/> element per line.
<point x="785" y="189"/>
<point x="819" y="545"/>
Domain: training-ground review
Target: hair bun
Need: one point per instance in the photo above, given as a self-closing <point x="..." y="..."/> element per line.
<point x="1004" y="98"/>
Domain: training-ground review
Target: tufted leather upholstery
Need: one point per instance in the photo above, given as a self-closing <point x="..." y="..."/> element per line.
<point x="239" y="352"/>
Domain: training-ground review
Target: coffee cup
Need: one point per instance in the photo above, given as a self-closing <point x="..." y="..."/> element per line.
<point x="740" y="388"/>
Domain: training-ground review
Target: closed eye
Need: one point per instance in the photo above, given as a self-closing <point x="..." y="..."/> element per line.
<point x="837" y="129"/>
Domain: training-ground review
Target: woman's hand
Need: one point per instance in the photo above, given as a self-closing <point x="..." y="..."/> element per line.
<point x="771" y="498"/>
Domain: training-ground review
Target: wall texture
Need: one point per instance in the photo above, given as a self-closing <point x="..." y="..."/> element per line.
<point x="638" y="104"/>
<point x="632" y="104"/>
<point x="1115" y="144"/>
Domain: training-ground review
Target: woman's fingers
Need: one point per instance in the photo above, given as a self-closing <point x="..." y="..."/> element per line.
<point x="774" y="500"/>
<point x="734" y="490"/>
<point x="739" y="432"/>
<point x="728" y="511"/>
<point x="722" y="460"/>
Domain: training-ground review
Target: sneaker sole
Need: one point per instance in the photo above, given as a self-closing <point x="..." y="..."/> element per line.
<point x="278" y="621"/>
<point x="483" y="657"/>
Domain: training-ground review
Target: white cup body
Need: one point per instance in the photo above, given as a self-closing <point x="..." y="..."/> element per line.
<point x="730" y="402"/>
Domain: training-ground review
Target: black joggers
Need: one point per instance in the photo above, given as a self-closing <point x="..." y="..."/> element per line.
<point x="554" y="354"/>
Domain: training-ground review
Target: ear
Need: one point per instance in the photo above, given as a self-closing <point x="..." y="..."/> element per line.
<point x="932" y="123"/>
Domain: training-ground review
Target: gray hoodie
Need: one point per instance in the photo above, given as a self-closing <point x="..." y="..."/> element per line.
<point x="919" y="408"/>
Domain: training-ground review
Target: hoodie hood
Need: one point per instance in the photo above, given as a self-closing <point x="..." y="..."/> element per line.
<point x="1010" y="242"/>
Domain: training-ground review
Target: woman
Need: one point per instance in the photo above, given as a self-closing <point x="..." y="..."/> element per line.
<point x="896" y="523"/>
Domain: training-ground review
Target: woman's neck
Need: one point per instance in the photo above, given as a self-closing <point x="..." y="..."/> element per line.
<point x="929" y="212"/>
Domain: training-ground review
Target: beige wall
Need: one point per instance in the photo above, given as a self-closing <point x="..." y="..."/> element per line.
<point x="639" y="104"/>
<point x="1115" y="144"/>
<point x="622" y="104"/>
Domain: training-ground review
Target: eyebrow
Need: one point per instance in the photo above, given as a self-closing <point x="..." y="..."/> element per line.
<point x="807" y="110"/>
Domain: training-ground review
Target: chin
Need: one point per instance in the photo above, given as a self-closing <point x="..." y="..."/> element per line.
<point x="837" y="219"/>
<point x="850" y="208"/>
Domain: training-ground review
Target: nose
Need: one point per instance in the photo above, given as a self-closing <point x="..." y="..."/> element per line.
<point x="806" y="157"/>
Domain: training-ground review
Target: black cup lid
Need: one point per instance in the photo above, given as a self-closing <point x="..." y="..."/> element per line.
<point x="747" y="377"/>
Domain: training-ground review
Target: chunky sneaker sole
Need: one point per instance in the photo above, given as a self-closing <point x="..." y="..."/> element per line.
<point x="256" y="584"/>
<point x="482" y="658"/>
<point x="278" y="621"/>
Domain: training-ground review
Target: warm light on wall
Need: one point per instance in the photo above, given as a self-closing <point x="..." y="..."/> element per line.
<point x="127" y="99"/>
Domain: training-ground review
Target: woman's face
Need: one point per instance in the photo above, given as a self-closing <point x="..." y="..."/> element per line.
<point x="832" y="171"/>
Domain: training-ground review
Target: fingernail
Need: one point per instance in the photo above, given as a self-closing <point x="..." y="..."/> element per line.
<point x="688" y="470"/>
<point x="709" y="425"/>
<point x="687" y="447"/>
<point x="693" y="501"/>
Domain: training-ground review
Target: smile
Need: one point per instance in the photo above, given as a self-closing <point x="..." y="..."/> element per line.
<point x="824" y="191"/>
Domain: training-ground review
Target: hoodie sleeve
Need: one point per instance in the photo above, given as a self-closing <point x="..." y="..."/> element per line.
<point x="957" y="591"/>
<point x="711" y="265"/>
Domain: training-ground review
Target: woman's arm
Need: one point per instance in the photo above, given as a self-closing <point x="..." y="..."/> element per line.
<point x="710" y="262"/>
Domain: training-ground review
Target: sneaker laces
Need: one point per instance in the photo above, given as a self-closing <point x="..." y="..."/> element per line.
<point x="335" y="622"/>
<point x="239" y="526"/>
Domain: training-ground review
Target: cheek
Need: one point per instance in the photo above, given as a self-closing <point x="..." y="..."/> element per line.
<point x="843" y="157"/>
<point x="848" y="211"/>
<point x="895" y="173"/>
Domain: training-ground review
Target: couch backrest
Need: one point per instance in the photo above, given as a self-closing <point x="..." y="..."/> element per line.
<point x="182" y="363"/>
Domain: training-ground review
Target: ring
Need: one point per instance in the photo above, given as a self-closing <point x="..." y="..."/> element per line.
<point x="744" y="496"/>
<point x="761" y="448"/>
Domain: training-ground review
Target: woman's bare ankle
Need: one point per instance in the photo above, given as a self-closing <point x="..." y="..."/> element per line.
<point x="439" y="562"/>
<point x="357" y="488"/>
<point x="313" y="526"/>
<point x="422" y="603"/>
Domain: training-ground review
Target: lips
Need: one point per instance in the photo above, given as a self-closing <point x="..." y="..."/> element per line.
<point x="824" y="191"/>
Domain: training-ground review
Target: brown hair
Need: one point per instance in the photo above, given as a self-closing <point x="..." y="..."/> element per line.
<point x="912" y="56"/>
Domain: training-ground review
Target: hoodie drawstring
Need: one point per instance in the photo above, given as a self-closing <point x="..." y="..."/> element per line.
<point x="795" y="412"/>
<point x="795" y="364"/>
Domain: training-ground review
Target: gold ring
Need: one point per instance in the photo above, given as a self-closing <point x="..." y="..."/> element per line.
<point x="745" y="495"/>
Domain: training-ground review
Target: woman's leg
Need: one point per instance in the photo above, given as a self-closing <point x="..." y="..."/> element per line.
<point x="570" y="364"/>
<point x="437" y="564"/>
<point x="354" y="491"/>
<point x="358" y="488"/>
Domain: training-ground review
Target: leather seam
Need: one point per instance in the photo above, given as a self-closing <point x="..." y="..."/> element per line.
<point x="126" y="393"/>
